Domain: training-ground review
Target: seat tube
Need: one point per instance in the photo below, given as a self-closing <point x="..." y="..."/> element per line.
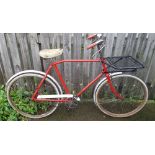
<point x="61" y="79"/>
<point x="40" y="84"/>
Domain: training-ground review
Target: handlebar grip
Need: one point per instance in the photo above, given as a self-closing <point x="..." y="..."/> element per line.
<point x="91" y="46"/>
<point x="94" y="44"/>
<point x="91" y="36"/>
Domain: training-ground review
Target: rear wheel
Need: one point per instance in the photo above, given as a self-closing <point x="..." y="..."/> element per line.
<point x="132" y="89"/>
<point x="20" y="90"/>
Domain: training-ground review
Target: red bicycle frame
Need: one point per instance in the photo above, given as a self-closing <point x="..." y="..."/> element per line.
<point x="54" y="65"/>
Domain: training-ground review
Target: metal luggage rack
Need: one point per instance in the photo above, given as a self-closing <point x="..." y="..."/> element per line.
<point x="123" y="64"/>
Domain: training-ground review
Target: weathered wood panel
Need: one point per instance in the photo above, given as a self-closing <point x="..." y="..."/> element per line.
<point x="34" y="48"/>
<point x="1" y="75"/>
<point x="86" y="66"/>
<point x="148" y="57"/>
<point x="5" y="59"/>
<point x="21" y="51"/>
<point x="24" y="50"/>
<point x="109" y="44"/>
<point x="119" y="44"/>
<point x="67" y="55"/>
<point x="76" y="80"/>
<point x="14" y="52"/>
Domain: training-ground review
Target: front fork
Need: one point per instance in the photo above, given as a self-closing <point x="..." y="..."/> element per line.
<point x="112" y="88"/>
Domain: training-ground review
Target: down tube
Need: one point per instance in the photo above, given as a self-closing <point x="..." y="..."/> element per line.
<point x="89" y="84"/>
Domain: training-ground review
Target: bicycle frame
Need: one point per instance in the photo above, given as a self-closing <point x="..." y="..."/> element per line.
<point x="63" y="84"/>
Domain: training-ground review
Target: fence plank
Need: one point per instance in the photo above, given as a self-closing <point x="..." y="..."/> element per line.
<point x="148" y="51"/>
<point x="147" y="54"/>
<point x="119" y="44"/>
<point x="51" y="36"/>
<point x="14" y="52"/>
<point x="1" y="75"/>
<point x="148" y="57"/>
<point x="138" y="50"/>
<point x="21" y="51"/>
<point x="150" y="62"/>
<point x="130" y="42"/>
<point x="77" y="66"/>
<point x="96" y="66"/>
<point x="24" y="49"/>
<point x="109" y="44"/>
<point x="58" y="45"/>
<point x="142" y="46"/>
<point x="34" y="48"/>
<point x="86" y="66"/>
<point x="67" y="55"/>
<point x="5" y="57"/>
<point x="151" y="72"/>
<point x="44" y="41"/>
<point x="55" y="42"/>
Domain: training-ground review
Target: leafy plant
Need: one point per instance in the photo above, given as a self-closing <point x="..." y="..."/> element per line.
<point x="6" y="111"/>
<point x="21" y="98"/>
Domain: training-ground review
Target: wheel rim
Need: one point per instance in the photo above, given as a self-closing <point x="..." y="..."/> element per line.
<point x="133" y="90"/>
<point x="19" y="94"/>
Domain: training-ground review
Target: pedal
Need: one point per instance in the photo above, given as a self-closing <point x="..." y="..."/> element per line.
<point x="73" y="104"/>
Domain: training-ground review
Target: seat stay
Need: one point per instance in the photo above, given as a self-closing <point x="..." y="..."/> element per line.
<point x="61" y="79"/>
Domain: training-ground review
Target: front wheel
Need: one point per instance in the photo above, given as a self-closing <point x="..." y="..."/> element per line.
<point x="20" y="90"/>
<point x="133" y="90"/>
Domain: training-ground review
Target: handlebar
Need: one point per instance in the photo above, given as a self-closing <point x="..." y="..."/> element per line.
<point x="91" y="36"/>
<point x="91" y="46"/>
<point x="94" y="44"/>
<point x="96" y="40"/>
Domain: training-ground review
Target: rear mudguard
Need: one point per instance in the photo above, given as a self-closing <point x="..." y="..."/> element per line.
<point x="37" y="72"/>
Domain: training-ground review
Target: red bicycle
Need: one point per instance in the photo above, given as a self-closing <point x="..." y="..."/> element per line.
<point x="36" y="94"/>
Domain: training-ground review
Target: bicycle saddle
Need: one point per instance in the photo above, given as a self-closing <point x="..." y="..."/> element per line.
<point x="50" y="53"/>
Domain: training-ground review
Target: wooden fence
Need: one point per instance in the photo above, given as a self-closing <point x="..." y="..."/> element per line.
<point x="21" y="52"/>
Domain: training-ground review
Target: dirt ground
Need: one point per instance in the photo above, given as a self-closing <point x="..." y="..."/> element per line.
<point x="87" y="111"/>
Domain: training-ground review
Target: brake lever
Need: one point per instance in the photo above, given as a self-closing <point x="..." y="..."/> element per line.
<point x="99" y="35"/>
<point x="97" y="52"/>
<point x="96" y="39"/>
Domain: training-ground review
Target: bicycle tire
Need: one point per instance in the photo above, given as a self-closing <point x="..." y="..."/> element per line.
<point x="111" y="106"/>
<point x="31" y="74"/>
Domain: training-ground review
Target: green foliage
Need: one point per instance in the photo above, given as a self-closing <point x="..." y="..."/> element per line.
<point x="22" y="100"/>
<point x="6" y="111"/>
<point x="87" y="94"/>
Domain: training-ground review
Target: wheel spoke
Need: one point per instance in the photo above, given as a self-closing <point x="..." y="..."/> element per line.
<point x="133" y="90"/>
<point x="21" y="90"/>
